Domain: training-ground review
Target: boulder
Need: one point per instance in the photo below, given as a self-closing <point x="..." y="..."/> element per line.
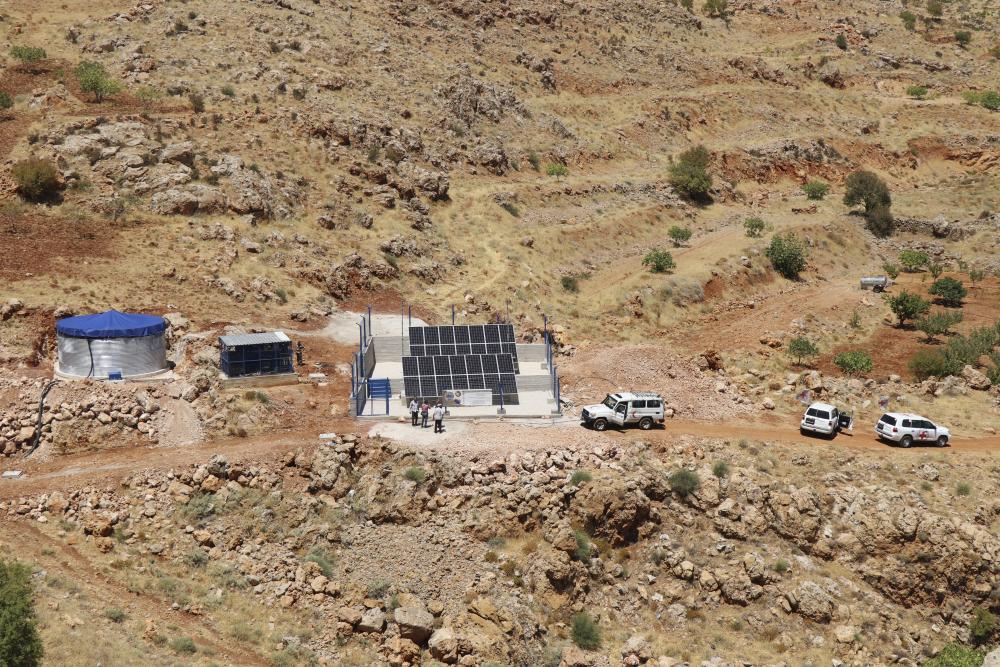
<point x="992" y="659"/>
<point x="414" y="623"/>
<point x="812" y="602"/>
<point x="975" y="379"/>
<point x="372" y="620"/>
<point x="443" y="645"/>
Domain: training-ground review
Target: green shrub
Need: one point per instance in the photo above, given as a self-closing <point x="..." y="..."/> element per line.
<point x="787" y="254"/>
<point x="917" y="92"/>
<point x="949" y="291"/>
<point x="781" y="566"/>
<point x="955" y="655"/>
<point x="20" y="644"/>
<point x="579" y="477"/>
<point x="689" y="175"/>
<point x="990" y="100"/>
<point x="94" y="79"/>
<point x="511" y="208"/>
<point x="557" y="170"/>
<point x="228" y="91"/>
<point x="754" y="227"/>
<point x="972" y="97"/>
<point x="5" y="101"/>
<point x="570" y="283"/>
<point x="854" y="362"/>
<point x="963" y="488"/>
<point x="37" y="179"/>
<point x="891" y="270"/>
<point x="984" y="623"/>
<point x="183" y="645"/>
<point x="932" y="363"/>
<point x="27" y="54"/>
<point x="975" y="275"/>
<point x="864" y="187"/>
<point x="585" y="631"/>
<point x="679" y="234"/>
<point x="802" y="347"/>
<point x="323" y="559"/>
<point x="907" y="306"/>
<point x="913" y="260"/>
<point x="720" y="469"/>
<point x="935" y="8"/>
<point x="909" y="20"/>
<point x="963" y="37"/>
<point x="114" y="614"/>
<point x="196" y="557"/>
<point x="534" y="160"/>
<point x="841" y="42"/>
<point x="684" y="482"/>
<point x="816" y="189"/>
<point x="658" y="261"/>
<point x="584" y="549"/>
<point x="688" y="5"/>
<point x="415" y="474"/>
<point x="939" y="323"/>
<point x="935" y="269"/>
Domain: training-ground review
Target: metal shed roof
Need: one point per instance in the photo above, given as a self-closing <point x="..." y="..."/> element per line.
<point x="254" y="339"/>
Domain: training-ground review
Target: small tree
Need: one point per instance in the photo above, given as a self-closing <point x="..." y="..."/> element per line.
<point x="557" y="170"/>
<point x="816" y="189"/>
<point x="802" y="347"/>
<point x="913" y="260"/>
<point x="949" y="291"/>
<point x="689" y="175"/>
<point x="754" y="227"/>
<point x="20" y="645"/>
<point x="891" y="270"/>
<point x="975" y="275"/>
<point x="787" y="254"/>
<point x="679" y="235"/>
<point x="990" y="100"/>
<point x="684" y="482"/>
<point x="909" y="20"/>
<point x="917" y="92"/>
<point x="37" y="180"/>
<point x="841" y="42"/>
<point x="94" y="79"/>
<point x="907" y="306"/>
<point x="5" y="101"/>
<point x="935" y="269"/>
<point x="936" y="324"/>
<point x="658" y="261"/>
<point x="864" y="187"/>
<point x="855" y="362"/>
<point x="963" y="37"/>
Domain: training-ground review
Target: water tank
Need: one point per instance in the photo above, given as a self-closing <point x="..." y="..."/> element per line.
<point x="111" y="344"/>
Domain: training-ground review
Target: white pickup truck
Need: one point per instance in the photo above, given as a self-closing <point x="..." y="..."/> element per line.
<point x="625" y="408"/>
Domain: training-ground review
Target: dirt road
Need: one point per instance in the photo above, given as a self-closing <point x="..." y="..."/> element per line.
<point x="107" y="467"/>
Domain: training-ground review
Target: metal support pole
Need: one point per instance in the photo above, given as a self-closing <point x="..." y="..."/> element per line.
<point x="370" y="332"/>
<point x="452" y="314"/>
<point x="409" y="321"/>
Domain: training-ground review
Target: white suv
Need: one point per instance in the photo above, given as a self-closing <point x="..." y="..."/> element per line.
<point x="642" y="408"/>
<point x="823" y="418"/>
<point x="907" y="429"/>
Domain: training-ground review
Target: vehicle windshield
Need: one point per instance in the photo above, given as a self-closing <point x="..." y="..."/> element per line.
<point x="821" y="414"/>
<point x="610" y="403"/>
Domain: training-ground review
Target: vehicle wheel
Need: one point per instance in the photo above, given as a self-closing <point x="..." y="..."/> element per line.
<point x="600" y="424"/>
<point x="942" y="441"/>
<point x="906" y="441"/>
<point x="645" y="423"/>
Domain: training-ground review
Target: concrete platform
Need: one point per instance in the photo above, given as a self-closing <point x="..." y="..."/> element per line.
<point x="533" y="404"/>
<point x="250" y="381"/>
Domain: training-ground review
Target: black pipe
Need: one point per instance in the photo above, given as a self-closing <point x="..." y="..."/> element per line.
<point x="41" y="411"/>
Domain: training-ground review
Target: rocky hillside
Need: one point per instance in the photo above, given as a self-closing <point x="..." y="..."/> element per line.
<point x="701" y="552"/>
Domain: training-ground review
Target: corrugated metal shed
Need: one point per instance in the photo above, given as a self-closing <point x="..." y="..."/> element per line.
<point x="254" y="339"/>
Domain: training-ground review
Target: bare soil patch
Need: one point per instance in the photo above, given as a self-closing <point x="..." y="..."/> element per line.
<point x="35" y="244"/>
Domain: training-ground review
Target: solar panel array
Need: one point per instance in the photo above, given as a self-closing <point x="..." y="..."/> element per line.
<point x="462" y="357"/>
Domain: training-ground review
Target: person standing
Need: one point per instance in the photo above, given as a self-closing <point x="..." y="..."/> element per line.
<point x="424" y="412"/>
<point x="439" y="418"/>
<point x="298" y="353"/>
<point x="414" y="409"/>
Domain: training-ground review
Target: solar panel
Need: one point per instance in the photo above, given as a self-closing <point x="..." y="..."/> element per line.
<point x="417" y="335"/>
<point x="431" y="336"/>
<point x="447" y="334"/>
<point x="476" y="335"/>
<point x="473" y="356"/>
<point x="410" y="366"/>
<point x="462" y="334"/>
